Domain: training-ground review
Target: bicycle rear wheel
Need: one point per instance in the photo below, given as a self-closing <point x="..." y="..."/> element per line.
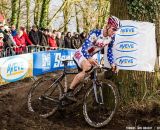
<point x="100" y="114"/>
<point x="44" y="95"/>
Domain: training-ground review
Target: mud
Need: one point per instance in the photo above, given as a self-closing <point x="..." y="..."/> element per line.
<point x="14" y="114"/>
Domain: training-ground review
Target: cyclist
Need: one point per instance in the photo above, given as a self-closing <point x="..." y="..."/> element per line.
<point x="96" y="41"/>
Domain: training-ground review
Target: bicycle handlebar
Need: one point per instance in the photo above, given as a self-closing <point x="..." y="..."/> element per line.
<point x="99" y="67"/>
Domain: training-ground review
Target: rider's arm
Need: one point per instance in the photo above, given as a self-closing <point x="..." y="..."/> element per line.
<point x="110" y="56"/>
<point x="85" y="51"/>
<point x="92" y="38"/>
<point x="110" y="52"/>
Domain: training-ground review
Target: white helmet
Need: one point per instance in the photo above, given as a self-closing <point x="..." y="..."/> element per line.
<point x="114" y="21"/>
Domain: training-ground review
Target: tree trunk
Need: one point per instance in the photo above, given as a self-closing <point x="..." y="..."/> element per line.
<point x="18" y="14"/>
<point x="28" y="12"/>
<point x="66" y="16"/>
<point x="119" y="8"/>
<point x="86" y="16"/>
<point x="4" y="8"/>
<point x="14" y="12"/>
<point x="77" y="20"/>
<point x="103" y="11"/>
<point x="134" y="84"/>
<point x="44" y="14"/>
<point x="37" y="10"/>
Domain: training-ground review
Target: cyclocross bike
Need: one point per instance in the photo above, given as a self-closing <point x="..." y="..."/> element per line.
<point x="100" y="101"/>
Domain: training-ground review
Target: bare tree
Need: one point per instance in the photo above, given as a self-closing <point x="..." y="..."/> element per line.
<point x="14" y="11"/>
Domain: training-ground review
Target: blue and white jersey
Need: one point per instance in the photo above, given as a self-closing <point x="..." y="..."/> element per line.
<point x="96" y="42"/>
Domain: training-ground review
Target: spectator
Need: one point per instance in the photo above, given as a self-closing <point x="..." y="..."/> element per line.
<point x="75" y="41"/>
<point x="60" y="40"/>
<point x="13" y="30"/>
<point x="63" y="35"/>
<point x="2" y="31"/>
<point x="67" y="40"/>
<point x="1" y="28"/>
<point x="1" y="43"/>
<point x="20" y="42"/>
<point x="25" y="35"/>
<point x="74" y="33"/>
<point x="44" y="37"/>
<point x="54" y="31"/>
<point x="34" y="35"/>
<point x="9" y="42"/>
<point x="52" y="41"/>
<point x="83" y="36"/>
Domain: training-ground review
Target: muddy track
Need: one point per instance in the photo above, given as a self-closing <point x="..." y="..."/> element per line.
<point x="15" y="115"/>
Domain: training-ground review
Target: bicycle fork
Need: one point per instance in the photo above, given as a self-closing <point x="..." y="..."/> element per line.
<point x="100" y="95"/>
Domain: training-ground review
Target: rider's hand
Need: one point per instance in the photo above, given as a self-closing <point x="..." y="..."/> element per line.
<point x="93" y="62"/>
<point x="114" y="68"/>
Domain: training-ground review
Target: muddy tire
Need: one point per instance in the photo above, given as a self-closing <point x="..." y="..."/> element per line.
<point x="100" y="114"/>
<point x="42" y="88"/>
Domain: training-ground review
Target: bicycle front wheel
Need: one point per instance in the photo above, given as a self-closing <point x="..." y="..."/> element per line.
<point x="99" y="113"/>
<point x="44" y="95"/>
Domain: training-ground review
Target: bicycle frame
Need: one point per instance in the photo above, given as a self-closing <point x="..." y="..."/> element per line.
<point x="61" y="77"/>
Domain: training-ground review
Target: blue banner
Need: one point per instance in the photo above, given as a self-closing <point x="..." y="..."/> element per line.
<point x="48" y="61"/>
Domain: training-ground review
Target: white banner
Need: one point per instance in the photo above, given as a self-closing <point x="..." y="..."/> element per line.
<point x="14" y="68"/>
<point x="134" y="47"/>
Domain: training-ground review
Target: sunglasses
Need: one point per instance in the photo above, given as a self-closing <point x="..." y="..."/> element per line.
<point x="114" y="29"/>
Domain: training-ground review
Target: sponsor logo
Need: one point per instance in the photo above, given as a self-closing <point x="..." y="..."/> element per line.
<point x="14" y="69"/>
<point x="126" y="46"/>
<point x="128" y="31"/>
<point x="58" y="63"/>
<point x="126" y="61"/>
<point x="46" y="61"/>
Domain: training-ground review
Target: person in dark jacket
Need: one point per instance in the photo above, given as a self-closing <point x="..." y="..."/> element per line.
<point x="67" y="40"/>
<point x="82" y="37"/>
<point x="75" y="41"/>
<point x="45" y="38"/>
<point x="60" y="40"/>
<point x="5" y="37"/>
<point x="9" y="43"/>
<point x="7" y="40"/>
<point x="35" y="35"/>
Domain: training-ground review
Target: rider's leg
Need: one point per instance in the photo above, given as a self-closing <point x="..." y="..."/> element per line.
<point x="85" y="66"/>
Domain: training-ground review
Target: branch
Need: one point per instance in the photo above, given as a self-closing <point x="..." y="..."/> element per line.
<point x="65" y="23"/>
<point x="62" y="6"/>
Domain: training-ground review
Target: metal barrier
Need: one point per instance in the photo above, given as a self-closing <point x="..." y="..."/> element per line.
<point x="17" y="50"/>
<point x="2" y="53"/>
